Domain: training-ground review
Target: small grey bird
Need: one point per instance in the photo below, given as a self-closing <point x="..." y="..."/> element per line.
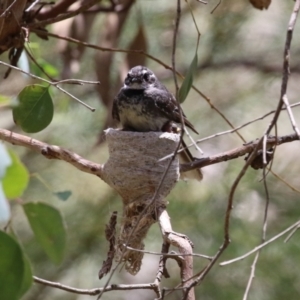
<point x="144" y="104"/>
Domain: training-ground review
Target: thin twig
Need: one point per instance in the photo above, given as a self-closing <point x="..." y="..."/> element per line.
<point x="7" y="9"/>
<point x="267" y="132"/>
<point x="177" y="21"/>
<point x="263" y="239"/>
<point x="32" y="5"/>
<point x="28" y="52"/>
<point x="227" y="131"/>
<point x="237" y="152"/>
<point x="286" y="63"/>
<point x="162" y="270"/>
<point x="184" y="268"/>
<point x="227" y="220"/>
<point x="169" y="254"/>
<point x="291" y="234"/>
<point x="252" y="275"/>
<point x="76" y="81"/>
<point x="224" y="263"/>
<point x="285" y="182"/>
<point x="95" y="291"/>
<point x="214" y="9"/>
<point x="290" y="113"/>
<point x="63" y="16"/>
<point x="55" y="10"/>
<point x="212" y="106"/>
<point x="177" y="90"/>
<point x="50" y="83"/>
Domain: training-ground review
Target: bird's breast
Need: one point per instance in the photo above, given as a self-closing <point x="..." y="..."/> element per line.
<point x="137" y="117"/>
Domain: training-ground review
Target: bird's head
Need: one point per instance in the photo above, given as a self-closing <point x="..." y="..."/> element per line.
<point x="140" y="78"/>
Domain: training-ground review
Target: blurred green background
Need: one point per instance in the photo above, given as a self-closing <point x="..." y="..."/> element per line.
<point x="240" y="67"/>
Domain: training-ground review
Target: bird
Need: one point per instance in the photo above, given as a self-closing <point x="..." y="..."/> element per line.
<point x="144" y="104"/>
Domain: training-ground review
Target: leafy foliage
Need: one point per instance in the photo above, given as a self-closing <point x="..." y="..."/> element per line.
<point x="242" y="82"/>
<point x="15" y="271"/>
<point x="16" y="178"/>
<point x="48" y="227"/>
<point x="64" y="195"/>
<point x="188" y="80"/>
<point x="35" y="109"/>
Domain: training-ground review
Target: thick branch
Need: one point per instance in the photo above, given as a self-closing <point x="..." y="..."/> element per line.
<point x="63" y="16"/>
<point x="56" y="9"/>
<point x="237" y="152"/>
<point x="184" y="246"/>
<point x="52" y="152"/>
<point x="55" y="152"/>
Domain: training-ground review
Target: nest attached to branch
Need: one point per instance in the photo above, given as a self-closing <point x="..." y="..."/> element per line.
<point x="135" y="171"/>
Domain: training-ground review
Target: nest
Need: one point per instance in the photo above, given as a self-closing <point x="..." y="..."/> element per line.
<point x="135" y="171"/>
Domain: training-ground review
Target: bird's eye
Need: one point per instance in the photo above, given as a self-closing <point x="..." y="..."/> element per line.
<point x="146" y="77"/>
<point x="127" y="80"/>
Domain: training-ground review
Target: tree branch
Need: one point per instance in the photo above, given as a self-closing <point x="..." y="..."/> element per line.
<point x="237" y="152"/>
<point x="56" y="152"/>
<point x="64" y="16"/>
<point x="295" y="225"/>
<point x="52" y="152"/>
<point x="96" y="291"/>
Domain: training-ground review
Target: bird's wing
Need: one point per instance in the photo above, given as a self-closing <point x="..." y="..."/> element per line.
<point x="167" y="105"/>
<point x="115" y="110"/>
<point x="186" y="157"/>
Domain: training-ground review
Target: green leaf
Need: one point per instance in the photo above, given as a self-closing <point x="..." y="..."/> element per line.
<point x="5" y="213"/>
<point x="47" y="67"/>
<point x="48" y="227"/>
<point x="16" y="178"/>
<point x="12" y="268"/>
<point x="35" y="109"/>
<point x="63" y="195"/>
<point x="188" y="80"/>
<point x="27" y="277"/>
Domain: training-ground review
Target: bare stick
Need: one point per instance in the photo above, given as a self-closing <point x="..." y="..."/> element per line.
<point x="285" y="182"/>
<point x="252" y="275"/>
<point x="64" y="16"/>
<point x="286" y="63"/>
<point x="162" y="271"/>
<point x="216" y="7"/>
<point x="76" y="81"/>
<point x="177" y="21"/>
<point x="169" y="254"/>
<point x="96" y="291"/>
<point x="291" y="234"/>
<point x="184" y="247"/>
<point x="290" y="113"/>
<point x="253" y="266"/>
<point x="229" y="131"/>
<point x="32" y="5"/>
<point x="8" y="8"/>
